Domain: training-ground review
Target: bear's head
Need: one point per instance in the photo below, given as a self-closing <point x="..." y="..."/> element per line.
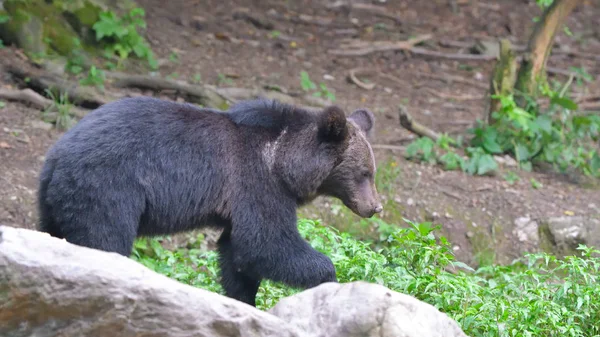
<point x="352" y="179"/>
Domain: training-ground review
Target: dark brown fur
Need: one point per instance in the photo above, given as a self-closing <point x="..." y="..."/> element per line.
<point x="143" y="167"/>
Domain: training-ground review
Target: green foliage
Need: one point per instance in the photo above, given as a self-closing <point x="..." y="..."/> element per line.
<point x="511" y="177"/>
<point x="423" y="149"/>
<point x="121" y="36"/>
<point x="190" y="265"/>
<point x="544" y="3"/>
<point x="558" y="136"/>
<point x="536" y="295"/>
<point x="95" y="77"/>
<point x="2" y="104"/>
<point x="480" y="163"/>
<point x="63" y="109"/>
<point x="222" y="79"/>
<point x="321" y="91"/>
<point x="441" y="153"/>
<point x="3" y="19"/>
<point x="196" y="78"/>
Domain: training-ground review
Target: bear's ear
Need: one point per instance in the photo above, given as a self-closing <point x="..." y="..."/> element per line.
<point x="332" y="124"/>
<point x="365" y="120"/>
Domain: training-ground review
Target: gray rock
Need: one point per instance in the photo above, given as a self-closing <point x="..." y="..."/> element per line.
<point x="567" y="232"/>
<point x="49" y="287"/>
<point x="526" y="230"/>
<point x="361" y="309"/>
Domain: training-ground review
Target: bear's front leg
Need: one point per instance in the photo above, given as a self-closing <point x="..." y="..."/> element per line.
<point x="275" y="250"/>
<point x="237" y="284"/>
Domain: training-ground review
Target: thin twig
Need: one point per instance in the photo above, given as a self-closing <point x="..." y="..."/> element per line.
<point x="452" y="194"/>
<point x="375" y="10"/>
<point x="455" y="97"/>
<point x="361" y="48"/>
<point x="388" y="147"/>
<point x="452" y="78"/>
<point x="452" y="56"/>
<point x="359" y="83"/>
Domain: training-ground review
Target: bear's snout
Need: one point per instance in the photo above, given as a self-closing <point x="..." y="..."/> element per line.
<point x="378" y="208"/>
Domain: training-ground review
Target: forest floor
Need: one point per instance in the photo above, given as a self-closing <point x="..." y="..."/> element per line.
<point x="205" y="41"/>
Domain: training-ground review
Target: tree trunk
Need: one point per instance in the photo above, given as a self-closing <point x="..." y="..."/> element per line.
<point x="539" y="46"/>
<point x="503" y="78"/>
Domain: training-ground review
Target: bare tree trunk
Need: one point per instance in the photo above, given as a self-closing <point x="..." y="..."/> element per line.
<point x="503" y="78"/>
<point x="540" y="44"/>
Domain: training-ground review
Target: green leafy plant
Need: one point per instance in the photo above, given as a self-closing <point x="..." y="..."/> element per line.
<point x="308" y="85"/>
<point x="422" y="149"/>
<point x="4" y="18"/>
<point x="63" y="109"/>
<point x="196" y="78"/>
<point x="535" y="295"/>
<point x="557" y="135"/>
<point x="222" y="79"/>
<point x="94" y="77"/>
<point x="121" y="35"/>
<point x="535" y="184"/>
<point x="511" y="177"/>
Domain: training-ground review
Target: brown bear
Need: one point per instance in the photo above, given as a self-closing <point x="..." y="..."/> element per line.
<point x="144" y="166"/>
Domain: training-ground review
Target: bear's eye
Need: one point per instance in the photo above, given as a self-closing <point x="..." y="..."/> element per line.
<point x="366" y="174"/>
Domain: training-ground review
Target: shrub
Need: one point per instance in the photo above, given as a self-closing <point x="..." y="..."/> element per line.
<point x="536" y="295"/>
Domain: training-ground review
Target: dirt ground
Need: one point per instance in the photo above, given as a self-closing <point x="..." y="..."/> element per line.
<point x="203" y="40"/>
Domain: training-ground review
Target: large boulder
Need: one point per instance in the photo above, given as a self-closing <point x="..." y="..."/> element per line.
<point x="564" y="234"/>
<point x="361" y="309"/>
<point x="49" y="287"/>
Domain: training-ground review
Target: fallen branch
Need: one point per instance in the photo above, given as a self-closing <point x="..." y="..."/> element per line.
<point x="236" y="94"/>
<point x="452" y="56"/>
<point x="389" y="147"/>
<point x="38" y="101"/>
<point x="406" y="120"/>
<point x="375" y="10"/>
<point x="455" y="97"/>
<point x="208" y="95"/>
<point x="589" y="105"/>
<point x="359" y="83"/>
<point x="196" y="94"/>
<point x="452" y="78"/>
<point x="452" y="194"/>
<point x="308" y="20"/>
<point x="77" y="94"/>
<point x="585" y="98"/>
<point x="255" y="19"/>
<point x="361" y="48"/>
<point x="26" y="95"/>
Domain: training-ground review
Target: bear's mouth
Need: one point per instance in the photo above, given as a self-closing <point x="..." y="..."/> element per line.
<point x="353" y="206"/>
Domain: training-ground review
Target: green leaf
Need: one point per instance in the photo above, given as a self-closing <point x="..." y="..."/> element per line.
<point x="486" y="164"/>
<point x="489" y="142"/>
<point x="305" y="81"/>
<point x="595" y="164"/>
<point x="565" y="103"/>
<point x="2" y="105"/>
<point x="522" y="152"/>
<point x="544" y="123"/>
<point x="4" y="18"/>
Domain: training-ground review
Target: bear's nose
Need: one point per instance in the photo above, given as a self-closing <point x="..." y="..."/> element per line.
<point x="378" y="208"/>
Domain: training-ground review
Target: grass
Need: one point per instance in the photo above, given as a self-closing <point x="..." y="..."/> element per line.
<point x="536" y="295"/>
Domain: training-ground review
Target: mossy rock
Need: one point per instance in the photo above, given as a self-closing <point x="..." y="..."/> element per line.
<point x="55" y="28"/>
